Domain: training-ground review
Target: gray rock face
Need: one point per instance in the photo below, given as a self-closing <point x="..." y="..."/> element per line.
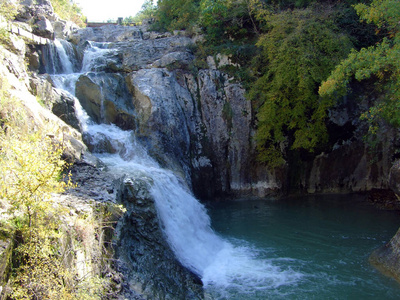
<point x="348" y="169"/>
<point x="45" y="23"/>
<point x="351" y="164"/>
<point x="108" y="33"/>
<point x="63" y="29"/>
<point x="44" y="28"/>
<point x="199" y="127"/>
<point x="33" y="11"/>
<point x="60" y="103"/>
<point x="387" y="258"/>
<point x="164" y="111"/>
<point x="394" y="178"/>
<point x="106" y="99"/>
<point x="196" y="123"/>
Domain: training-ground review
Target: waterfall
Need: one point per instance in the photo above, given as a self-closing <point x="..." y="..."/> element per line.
<point x="58" y="56"/>
<point x="223" y="266"/>
<point x="94" y="56"/>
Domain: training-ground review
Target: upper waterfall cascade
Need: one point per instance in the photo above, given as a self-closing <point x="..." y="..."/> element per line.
<point x="224" y="266"/>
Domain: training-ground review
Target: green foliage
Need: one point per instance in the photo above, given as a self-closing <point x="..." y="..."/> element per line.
<point x="297" y="54"/>
<point x="31" y="172"/>
<point x="30" y="165"/>
<point x="8" y="10"/>
<point x="148" y="11"/>
<point x="69" y="10"/>
<point x="176" y="14"/>
<point x="228" y="20"/>
<point x="380" y="62"/>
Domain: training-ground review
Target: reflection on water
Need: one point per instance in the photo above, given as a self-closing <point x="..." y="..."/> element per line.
<point x="326" y="240"/>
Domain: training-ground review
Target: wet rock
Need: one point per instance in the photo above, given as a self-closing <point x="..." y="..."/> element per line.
<point x="59" y="102"/>
<point x="44" y="28"/>
<point x="105" y="98"/>
<point x="394" y="178"/>
<point x="387" y="258"/>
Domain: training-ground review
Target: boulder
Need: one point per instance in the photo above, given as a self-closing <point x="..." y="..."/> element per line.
<point x="105" y="98"/>
<point x="64" y="29"/>
<point x="387" y="258"/>
<point x="59" y="102"/>
<point x="394" y="178"/>
<point x="30" y="10"/>
<point x="44" y="28"/>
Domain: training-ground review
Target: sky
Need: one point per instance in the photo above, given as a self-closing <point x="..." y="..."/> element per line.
<point x="103" y="10"/>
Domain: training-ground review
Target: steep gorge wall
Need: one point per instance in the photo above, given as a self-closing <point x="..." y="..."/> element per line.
<point x="89" y="237"/>
<point x="199" y="123"/>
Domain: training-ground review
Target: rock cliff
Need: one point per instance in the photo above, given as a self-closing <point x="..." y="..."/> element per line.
<point x="199" y="123"/>
<point x="196" y="122"/>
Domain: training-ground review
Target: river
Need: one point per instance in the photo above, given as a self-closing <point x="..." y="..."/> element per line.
<point x="325" y="239"/>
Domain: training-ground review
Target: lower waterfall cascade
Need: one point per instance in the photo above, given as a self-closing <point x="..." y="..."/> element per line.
<point x="229" y="268"/>
<point x="186" y="224"/>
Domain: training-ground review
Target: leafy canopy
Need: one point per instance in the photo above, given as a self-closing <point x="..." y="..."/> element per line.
<point x="297" y="54"/>
<point x="177" y="14"/>
<point x="8" y="10"/>
<point x="68" y="10"/>
<point x="148" y="11"/>
<point x="380" y="62"/>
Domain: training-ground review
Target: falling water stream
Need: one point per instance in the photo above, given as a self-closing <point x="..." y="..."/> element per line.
<point x="230" y="267"/>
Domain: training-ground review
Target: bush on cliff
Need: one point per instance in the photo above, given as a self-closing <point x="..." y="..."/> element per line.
<point x="31" y="172"/>
<point x="298" y="51"/>
<point x="69" y="10"/>
<point x="285" y="50"/>
<point x="8" y="10"/>
<point x="380" y="62"/>
<point x="30" y="168"/>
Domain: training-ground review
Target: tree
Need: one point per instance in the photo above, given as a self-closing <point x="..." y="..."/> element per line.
<point x="228" y="20"/>
<point x="68" y="10"/>
<point x="380" y="62"/>
<point x="297" y="54"/>
<point x="176" y="14"/>
<point x="8" y="10"/>
<point x="148" y="11"/>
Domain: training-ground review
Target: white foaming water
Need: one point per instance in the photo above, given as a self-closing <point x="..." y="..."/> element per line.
<point x="223" y="267"/>
<point x="59" y="61"/>
<point x="94" y="56"/>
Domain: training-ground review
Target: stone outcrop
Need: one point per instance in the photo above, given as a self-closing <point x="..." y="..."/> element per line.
<point x="196" y="122"/>
<point x="394" y="178"/>
<point x="44" y="22"/>
<point x="6" y="247"/>
<point x="349" y="163"/>
<point x="387" y="258"/>
<point x="106" y="99"/>
<point x="57" y="101"/>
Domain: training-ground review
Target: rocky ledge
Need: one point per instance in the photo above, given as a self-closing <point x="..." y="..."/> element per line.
<point x="142" y="265"/>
